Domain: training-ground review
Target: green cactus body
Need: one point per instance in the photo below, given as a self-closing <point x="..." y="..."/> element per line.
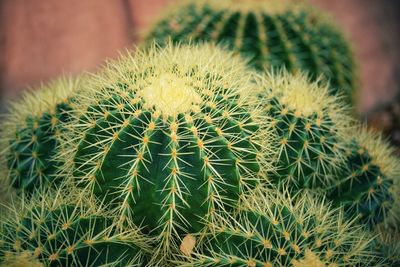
<point x="59" y="230"/>
<point x="170" y="137"/>
<point x="270" y="34"/>
<point x="309" y="125"/>
<point x="28" y="136"/>
<point x="272" y="229"/>
<point x="387" y="246"/>
<point x="371" y="177"/>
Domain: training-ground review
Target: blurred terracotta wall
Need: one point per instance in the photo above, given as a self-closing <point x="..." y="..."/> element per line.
<point x="373" y="28"/>
<point x="42" y="39"/>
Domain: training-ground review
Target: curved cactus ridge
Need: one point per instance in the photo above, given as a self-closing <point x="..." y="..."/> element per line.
<point x="275" y="229"/>
<point x="273" y="33"/>
<point x="310" y="126"/>
<point x="28" y="135"/>
<point x="53" y="228"/>
<point x="370" y="184"/>
<point x="170" y="136"/>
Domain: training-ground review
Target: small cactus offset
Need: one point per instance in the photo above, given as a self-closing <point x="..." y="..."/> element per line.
<point x="170" y="137"/>
<point x="56" y="229"/>
<point x="369" y="188"/>
<point x="29" y="134"/>
<point x="270" y="33"/>
<point x="273" y="229"/>
<point x="309" y="125"/>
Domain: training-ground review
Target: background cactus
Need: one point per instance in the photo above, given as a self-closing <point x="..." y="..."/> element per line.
<point x="369" y="188"/>
<point x="273" y="229"/>
<point x="58" y="229"/>
<point x="170" y="137"/>
<point x="28" y="135"/>
<point x="272" y="34"/>
<point x="309" y="125"/>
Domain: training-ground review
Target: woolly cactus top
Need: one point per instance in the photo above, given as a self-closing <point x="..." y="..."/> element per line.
<point x="169" y="136"/>
<point x="274" y="229"/>
<point x="303" y="97"/>
<point x="171" y="81"/>
<point x="28" y="134"/>
<point x="310" y="126"/>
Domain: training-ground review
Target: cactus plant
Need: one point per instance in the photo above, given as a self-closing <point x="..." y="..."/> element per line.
<point x="28" y="135"/>
<point x="271" y="34"/>
<point x="310" y="127"/>
<point x="370" y="184"/>
<point x="53" y="228"/>
<point x="387" y="244"/>
<point x="170" y="136"/>
<point x="274" y="229"/>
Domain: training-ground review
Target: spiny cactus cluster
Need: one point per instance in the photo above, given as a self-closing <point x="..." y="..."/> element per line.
<point x="57" y="229"/>
<point x="184" y="155"/>
<point x="170" y="138"/>
<point x="272" y="229"/>
<point x="367" y="187"/>
<point x="270" y="33"/>
<point x="29" y="134"/>
<point x="309" y="125"/>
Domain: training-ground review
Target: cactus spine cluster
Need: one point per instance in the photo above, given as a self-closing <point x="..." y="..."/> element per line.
<point x="369" y="184"/>
<point x="29" y="134"/>
<point x="309" y="125"/>
<point x="55" y="229"/>
<point x="271" y="34"/>
<point x="274" y="229"/>
<point x="170" y="137"/>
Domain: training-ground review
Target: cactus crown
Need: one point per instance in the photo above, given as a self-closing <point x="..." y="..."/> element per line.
<point x="170" y="137"/>
<point x="304" y="97"/>
<point x="54" y="228"/>
<point x="28" y="135"/>
<point x="274" y="229"/>
<point x="370" y="184"/>
<point x="310" y="126"/>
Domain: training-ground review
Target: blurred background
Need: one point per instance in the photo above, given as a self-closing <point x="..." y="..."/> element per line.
<point x="40" y="40"/>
